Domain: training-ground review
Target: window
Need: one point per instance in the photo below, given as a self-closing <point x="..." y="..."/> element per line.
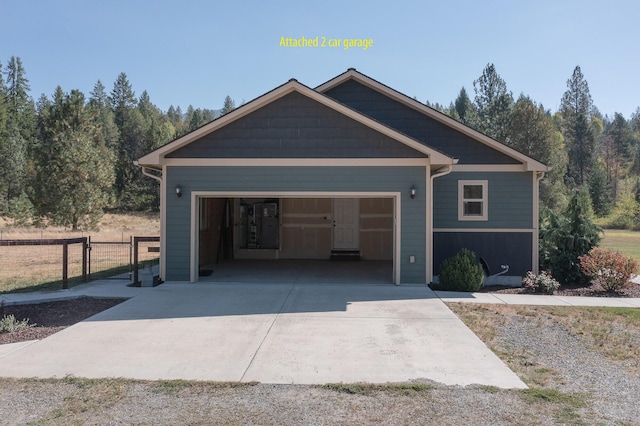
<point x="472" y="200"/>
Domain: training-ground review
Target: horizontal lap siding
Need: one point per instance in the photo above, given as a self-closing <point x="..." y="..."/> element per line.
<point x="291" y="179"/>
<point x="417" y="125"/>
<point x="510" y="199"/>
<point x="496" y="248"/>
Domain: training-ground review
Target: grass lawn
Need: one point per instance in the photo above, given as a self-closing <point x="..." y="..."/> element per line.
<point x="626" y="242"/>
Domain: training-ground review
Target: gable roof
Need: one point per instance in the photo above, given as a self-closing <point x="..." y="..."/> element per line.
<point x="351" y="74"/>
<point x="155" y="158"/>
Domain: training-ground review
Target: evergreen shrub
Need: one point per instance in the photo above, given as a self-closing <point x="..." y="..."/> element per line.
<point x="462" y="272"/>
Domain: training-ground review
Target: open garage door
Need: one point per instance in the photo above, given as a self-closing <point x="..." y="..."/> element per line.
<point x="235" y="231"/>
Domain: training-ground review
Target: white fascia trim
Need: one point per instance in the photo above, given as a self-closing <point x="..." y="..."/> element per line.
<point x="291" y="162"/>
<point x="196" y="195"/>
<point x="509" y="230"/>
<point x="155" y="157"/>
<point x="489" y="168"/>
<point x="530" y="163"/>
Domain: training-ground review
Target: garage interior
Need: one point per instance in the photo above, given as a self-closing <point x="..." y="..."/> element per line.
<point x="314" y="240"/>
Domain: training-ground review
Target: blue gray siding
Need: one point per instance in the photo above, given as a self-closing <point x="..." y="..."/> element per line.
<point x="510" y="198"/>
<point x="295" y="126"/>
<point x="415" y="124"/>
<point x="497" y="248"/>
<point x="284" y="179"/>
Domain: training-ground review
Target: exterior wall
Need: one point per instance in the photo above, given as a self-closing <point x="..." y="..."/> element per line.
<point x="509" y="229"/>
<point x="282" y="180"/>
<point x="510" y="200"/>
<point x="295" y="126"/>
<point x="496" y="248"/>
<point x="415" y="124"/>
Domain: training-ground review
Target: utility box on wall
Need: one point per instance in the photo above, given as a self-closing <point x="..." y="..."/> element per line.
<point x="260" y="224"/>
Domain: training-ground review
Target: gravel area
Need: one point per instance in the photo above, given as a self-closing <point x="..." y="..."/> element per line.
<point x="614" y="385"/>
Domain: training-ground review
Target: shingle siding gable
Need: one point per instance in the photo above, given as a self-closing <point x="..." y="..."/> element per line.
<point x="416" y="125"/>
<point x="295" y="126"/>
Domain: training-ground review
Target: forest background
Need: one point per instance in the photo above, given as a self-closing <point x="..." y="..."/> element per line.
<point x="67" y="158"/>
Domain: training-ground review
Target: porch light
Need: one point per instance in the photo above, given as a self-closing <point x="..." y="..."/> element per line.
<point x="178" y="191"/>
<point x="413" y="192"/>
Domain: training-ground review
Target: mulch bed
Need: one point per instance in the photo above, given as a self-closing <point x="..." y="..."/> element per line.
<point x="51" y="317"/>
<point x="632" y="290"/>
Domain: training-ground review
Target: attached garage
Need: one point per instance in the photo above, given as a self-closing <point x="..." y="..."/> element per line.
<point x="350" y="168"/>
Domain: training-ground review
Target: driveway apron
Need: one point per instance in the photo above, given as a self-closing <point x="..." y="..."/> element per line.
<point x="270" y="333"/>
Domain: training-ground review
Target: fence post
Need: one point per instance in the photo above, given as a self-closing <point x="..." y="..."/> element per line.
<point x="65" y="264"/>
<point x="89" y="257"/>
<point x="135" y="260"/>
<point x="84" y="259"/>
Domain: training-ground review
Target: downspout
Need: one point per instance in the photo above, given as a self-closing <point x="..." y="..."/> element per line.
<point x="536" y="226"/>
<point x="437" y="174"/>
<point x="145" y="171"/>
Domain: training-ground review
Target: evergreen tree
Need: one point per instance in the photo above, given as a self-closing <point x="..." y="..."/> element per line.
<point x="576" y="109"/>
<point x="600" y="190"/>
<point x="100" y="107"/>
<point x="74" y="173"/>
<point x="493" y="104"/>
<point x="228" y="106"/>
<point x="532" y="132"/>
<point x="619" y="147"/>
<point x="130" y="125"/>
<point x="18" y="133"/>
<point x="465" y="110"/>
<point x="565" y="237"/>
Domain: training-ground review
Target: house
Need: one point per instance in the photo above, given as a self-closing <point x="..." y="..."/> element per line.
<point x="351" y="167"/>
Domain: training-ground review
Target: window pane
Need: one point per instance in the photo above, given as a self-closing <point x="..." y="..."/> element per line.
<point x="473" y="192"/>
<point x="473" y="208"/>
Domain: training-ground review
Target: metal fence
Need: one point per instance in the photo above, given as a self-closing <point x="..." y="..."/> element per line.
<point x="60" y="263"/>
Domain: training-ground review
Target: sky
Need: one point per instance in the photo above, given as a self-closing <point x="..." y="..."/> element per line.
<point x="197" y="52"/>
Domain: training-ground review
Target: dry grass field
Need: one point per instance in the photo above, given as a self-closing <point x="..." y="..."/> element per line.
<point x="39" y="267"/>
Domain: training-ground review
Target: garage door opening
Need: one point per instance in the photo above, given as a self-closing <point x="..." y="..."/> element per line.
<point x="340" y="239"/>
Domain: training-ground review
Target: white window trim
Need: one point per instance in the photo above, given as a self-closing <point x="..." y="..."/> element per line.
<point x="484" y="200"/>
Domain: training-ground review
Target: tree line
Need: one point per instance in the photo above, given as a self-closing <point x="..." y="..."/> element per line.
<point x="586" y="149"/>
<point x="65" y="158"/>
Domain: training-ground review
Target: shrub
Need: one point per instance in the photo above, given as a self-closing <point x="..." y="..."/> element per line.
<point x="462" y="272"/>
<point x="607" y="268"/>
<point x="563" y="238"/>
<point x="543" y="283"/>
<point x="9" y="323"/>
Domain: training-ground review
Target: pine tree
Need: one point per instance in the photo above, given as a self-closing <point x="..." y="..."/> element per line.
<point x="576" y="109"/>
<point x="493" y="104"/>
<point x="619" y="141"/>
<point x="18" y="134"/>
<point x="600" y="190"/>
<point x="130" y="125"/>
<point x="465" y="109"/>
<point x="532" y="132"/>
<point x="74" y="173"/>
<point x="229" y="105"/>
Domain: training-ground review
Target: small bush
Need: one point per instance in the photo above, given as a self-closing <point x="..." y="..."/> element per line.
<point x="543" y="283"/>
<point x="9" y="324"/>
<point x="607" y="268"/>
<point x="462" y="272"/>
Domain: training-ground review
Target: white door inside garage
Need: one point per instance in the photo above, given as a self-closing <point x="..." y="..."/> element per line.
<point x="346" y="224"/>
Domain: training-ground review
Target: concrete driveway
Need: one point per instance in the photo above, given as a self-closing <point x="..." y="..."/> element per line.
<point x="270" y="333"/>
